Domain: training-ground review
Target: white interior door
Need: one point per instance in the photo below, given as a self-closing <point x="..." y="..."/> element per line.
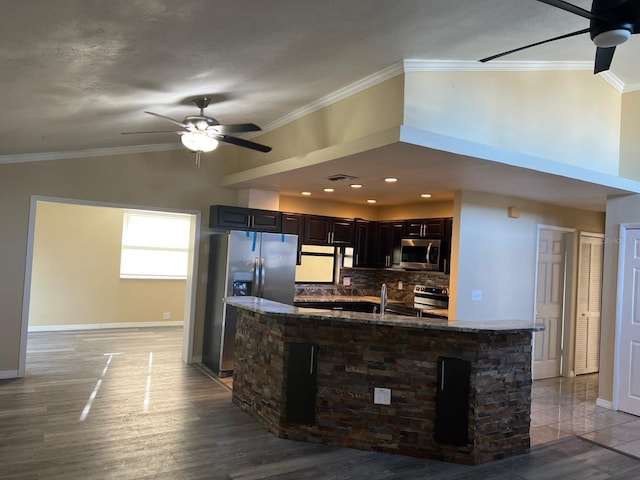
<point x="629" y="327"/>
<point x="587" y="352"/>
<point x="547" y="345"/>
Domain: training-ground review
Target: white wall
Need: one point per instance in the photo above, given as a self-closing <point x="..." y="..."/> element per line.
<point x="497" y="254"/>
<point x="619" y="210"/>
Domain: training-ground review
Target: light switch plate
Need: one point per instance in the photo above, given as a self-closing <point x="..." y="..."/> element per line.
<point x="476" y="295"/>
<point x="382" y="396"/>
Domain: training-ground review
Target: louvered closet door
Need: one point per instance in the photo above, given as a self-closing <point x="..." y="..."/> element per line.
<point x="589" y="299"/>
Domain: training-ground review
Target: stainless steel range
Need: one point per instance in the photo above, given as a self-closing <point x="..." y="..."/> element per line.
<point x="427" y="302"/>
<point x="430" y="298"/>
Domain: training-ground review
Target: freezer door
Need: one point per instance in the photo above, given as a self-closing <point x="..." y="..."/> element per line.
<point x="278" y="267"/>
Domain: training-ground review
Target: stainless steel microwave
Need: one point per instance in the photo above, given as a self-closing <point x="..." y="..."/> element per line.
<point x="420" y="254"/>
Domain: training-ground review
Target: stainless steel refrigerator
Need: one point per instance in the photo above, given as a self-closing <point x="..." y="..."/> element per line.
<point x="248" y="264"/>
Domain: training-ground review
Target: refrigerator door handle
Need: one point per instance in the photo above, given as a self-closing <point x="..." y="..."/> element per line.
<point x="263" y="274"/>
<point x="255" y="284"/>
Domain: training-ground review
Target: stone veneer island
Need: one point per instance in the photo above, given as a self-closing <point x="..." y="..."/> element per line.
<point x="453" y="391"/>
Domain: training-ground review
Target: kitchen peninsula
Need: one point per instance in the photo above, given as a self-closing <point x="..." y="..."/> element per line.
<point x="434" y="388"/>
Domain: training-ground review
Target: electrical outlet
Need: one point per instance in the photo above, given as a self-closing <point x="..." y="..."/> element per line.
<point x="166" y="316"/>
<point x="346" y="281"/>
<point x="400" y="285"/>
<point x="476" y="295"/>
<point x="382" y="396"/>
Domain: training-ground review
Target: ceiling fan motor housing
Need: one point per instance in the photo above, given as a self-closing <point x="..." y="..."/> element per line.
<point x="200" y="122"/>
<point x="611" y="26"/>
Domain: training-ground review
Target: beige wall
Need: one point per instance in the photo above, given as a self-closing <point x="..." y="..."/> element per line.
<point x="165" y="180"/>
<point x="76" y="272"/>
<point x="569" y="117"/>
<point x="375" y="109"/>
<point x="315" y="206"/>
<point x="629" y="145"/>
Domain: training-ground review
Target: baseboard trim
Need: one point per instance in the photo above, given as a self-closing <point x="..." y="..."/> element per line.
<point x="6" y="374"/>
<point x="102" y="326"/>
<point x="600" y="402"/>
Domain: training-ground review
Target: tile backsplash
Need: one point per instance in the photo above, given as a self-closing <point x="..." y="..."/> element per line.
<point x="367" y="281"/>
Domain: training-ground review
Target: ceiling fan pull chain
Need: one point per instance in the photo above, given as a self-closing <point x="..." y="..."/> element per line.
<point x="198" y="153"/>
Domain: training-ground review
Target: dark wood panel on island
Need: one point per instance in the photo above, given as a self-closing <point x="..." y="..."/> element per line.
<point x="354" y="353"/>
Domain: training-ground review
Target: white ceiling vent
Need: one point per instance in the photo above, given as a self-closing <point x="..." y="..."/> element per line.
<point x="341" y="176"/>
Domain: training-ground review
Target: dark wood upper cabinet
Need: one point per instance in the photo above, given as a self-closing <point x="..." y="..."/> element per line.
<point x="364" y="244"/>
<point x="293" y="223"/>
<point x="388" y="238"/>
<point x="239" y="218"/>
<point x="320" y="230"/>
<point x="426" y="228"/>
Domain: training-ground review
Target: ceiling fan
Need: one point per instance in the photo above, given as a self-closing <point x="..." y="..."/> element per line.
<point x="612" y="23"/>
<point x="203" y="134"/>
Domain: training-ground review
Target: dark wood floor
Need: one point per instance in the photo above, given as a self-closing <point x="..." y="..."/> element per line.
<point x="153" y="417"/>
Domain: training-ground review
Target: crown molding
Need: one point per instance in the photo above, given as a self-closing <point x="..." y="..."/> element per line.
<point x="356" y="87"/>
<point x="95" y="152"/>
<point x="418" y="65"/>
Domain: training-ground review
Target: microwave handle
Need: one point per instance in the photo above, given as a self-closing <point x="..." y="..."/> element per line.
<point x="429" y="252"/>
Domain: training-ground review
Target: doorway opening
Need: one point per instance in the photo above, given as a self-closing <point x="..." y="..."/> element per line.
<point x="87" y="265"/>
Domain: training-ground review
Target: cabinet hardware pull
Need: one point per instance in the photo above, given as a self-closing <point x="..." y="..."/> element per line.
<point x="313" y="348"/>
<point x="442" y="377"/>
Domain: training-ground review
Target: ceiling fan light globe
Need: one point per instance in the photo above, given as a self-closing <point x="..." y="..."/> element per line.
<point x="199" y="142"/>
<point x="611" y="38"/>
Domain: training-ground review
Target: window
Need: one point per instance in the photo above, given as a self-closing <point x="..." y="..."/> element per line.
<point x="154" y="245"/>
<point x="317" y="264"/>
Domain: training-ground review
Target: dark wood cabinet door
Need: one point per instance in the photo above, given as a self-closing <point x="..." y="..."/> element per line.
<point x="293" y="223"/>
<point x="364" y="243"/>
<point x="301" y="383"/>
<point x="398" y="232"/>
<point x="452" y="401"/>
<point x="425" y="228"/>
<point x="265" y="220"/>
<point x="223" y="216"/>
<point x="388" y="239"/>
<point x="319" y="230"/>
<point x="316" y="230"/>
<point x="239" y="218"/>
<point x="343" y="232"/>
<point x="445" y="246"/>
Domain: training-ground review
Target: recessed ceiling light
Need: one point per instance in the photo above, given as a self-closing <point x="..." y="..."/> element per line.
<point x="390" y="179"/>
<point x="425" y="195"/>
<point x="371" y="201"/>
<point x="328" y="190"/>
<point x="355" y="185"/>
<point x="305" y="193"/>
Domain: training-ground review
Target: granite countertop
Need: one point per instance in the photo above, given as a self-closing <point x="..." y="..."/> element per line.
<point x="260" y="305"/>
<point x="338" y="298"/>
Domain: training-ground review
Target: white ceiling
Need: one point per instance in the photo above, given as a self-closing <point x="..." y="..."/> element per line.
<point x="77" y="73"/>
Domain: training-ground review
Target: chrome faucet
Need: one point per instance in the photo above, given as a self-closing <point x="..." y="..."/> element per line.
<point x="383" y="298"/>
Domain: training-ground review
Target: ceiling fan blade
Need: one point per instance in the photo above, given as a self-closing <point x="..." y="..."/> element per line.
<point x="604" y="56"/>
<point x="243" y="143"/>
<point x="236" y="128"/>
<point x="167" y="118"/>
<point x="143" y="133"/>
<point x="567" y="35"/>
<point x="568" y="7"/>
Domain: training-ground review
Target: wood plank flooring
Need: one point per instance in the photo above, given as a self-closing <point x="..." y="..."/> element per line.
<point x="120" y="404"/>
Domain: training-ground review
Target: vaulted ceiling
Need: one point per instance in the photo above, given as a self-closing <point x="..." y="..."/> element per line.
<point x="77" y="73"/>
